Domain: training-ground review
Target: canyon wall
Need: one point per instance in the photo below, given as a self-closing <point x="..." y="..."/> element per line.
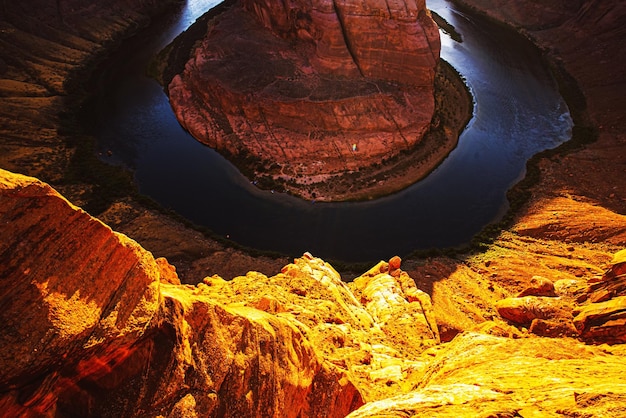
<point x="582" y="40"/>
<point x="141" y="353"/>
<point x="309" y="90"/>
<point x="45" y="48"/>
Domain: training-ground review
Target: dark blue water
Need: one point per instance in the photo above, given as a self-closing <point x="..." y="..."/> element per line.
<point x="518" y="113"/>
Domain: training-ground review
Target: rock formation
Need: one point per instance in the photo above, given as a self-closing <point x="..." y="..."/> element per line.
<point x="143" y="353"/>
<point x="95" y="326"/>
<point x="311" y="90"/>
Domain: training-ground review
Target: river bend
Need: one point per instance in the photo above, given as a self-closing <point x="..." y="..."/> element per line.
<point x="518" y="113"/>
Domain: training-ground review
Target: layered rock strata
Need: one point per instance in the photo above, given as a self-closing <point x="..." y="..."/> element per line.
<point x="95" y="326"/>
<point x="44" y="46"/>
<point x="311" y="90"/>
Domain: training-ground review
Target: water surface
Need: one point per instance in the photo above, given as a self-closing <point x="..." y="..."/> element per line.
<point x="518" y="112"/>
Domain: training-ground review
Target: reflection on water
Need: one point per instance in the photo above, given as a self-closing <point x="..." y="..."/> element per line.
<point x="518" y="113"/>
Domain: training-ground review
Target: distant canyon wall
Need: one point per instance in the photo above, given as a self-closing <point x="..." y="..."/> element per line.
<point x="47" y="49"/>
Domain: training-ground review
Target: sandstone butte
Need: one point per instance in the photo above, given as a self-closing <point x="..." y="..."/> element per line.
<point x="309" y="92"/>
<point x="529" y="325"/>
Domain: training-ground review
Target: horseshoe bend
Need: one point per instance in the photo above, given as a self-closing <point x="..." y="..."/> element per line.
<point x="161" y="320"/>
<point x="327" y="100"/>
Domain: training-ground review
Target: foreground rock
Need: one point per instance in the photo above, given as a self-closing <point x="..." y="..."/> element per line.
<point x="311" y="90"/>
<point x="483" y="375"/>
<point x="95" y="326"/>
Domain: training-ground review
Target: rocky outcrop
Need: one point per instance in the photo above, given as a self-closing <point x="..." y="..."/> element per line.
<point x="593" y="310"/>
<point x="63" y="293"/>
<point x="602" y="314"/>
<point x="311" y="89"/>
<point x="374" y="329"/>
<point x="93" y="325"/>
<point x="484" y="375"/>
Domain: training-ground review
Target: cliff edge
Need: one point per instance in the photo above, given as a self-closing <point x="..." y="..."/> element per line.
<point x="95" y="326"/>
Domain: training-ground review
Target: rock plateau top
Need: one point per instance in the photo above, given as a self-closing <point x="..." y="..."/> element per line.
<point x="306" y="91"/>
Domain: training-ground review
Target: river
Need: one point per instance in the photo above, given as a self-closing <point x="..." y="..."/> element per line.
<point x="518" y="113"/>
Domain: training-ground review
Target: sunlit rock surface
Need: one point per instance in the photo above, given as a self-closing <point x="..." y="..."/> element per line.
<point x="310" y="89"/>
<point x="483" y="375"/>
<point x="95" y="326"/>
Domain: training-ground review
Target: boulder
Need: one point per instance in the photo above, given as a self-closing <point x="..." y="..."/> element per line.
<point x="603" y="321"/>
<point x="524" y="310"/>
<point x="539" y="286"/>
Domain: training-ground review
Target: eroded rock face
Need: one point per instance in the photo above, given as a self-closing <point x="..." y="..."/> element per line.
<point x="70" y="286"/>
<point x="94" y="326"/>
<point x="395" y="41"/>
<point x="484" y="375"/>
<point x="311" y="89"/>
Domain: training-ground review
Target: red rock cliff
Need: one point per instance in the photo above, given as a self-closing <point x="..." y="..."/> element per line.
<point x="317" y="87"/>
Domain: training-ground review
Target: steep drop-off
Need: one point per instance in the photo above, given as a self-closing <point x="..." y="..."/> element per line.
<point x="121" y="348"/>
<point x="309" y="92"/>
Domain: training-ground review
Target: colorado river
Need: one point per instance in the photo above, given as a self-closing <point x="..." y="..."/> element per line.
<point x="518" y="113"/>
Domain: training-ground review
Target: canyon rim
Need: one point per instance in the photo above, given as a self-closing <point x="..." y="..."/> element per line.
<point x="528" y="324"/>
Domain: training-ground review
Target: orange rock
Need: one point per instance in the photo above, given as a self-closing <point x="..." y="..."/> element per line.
<point x="168" y="271"/>
<point x="539" y="286"/>
<point x="394" y="263"/>
<point x="559" y="327"/>
<point x="603" y="321"/>
<point x="525" y="309"/>
<point x="478" y="375"/>
<point x="69" y="283"/>
<point x="298" y="84"/>
<point x="92" y="328"/>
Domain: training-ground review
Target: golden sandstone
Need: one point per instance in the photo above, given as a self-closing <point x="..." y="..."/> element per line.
<point x="93" y="325"/>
